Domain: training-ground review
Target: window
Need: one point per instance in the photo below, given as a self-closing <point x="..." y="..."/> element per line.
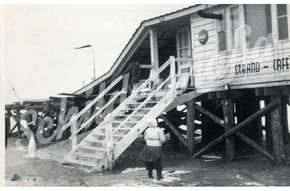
<point x="235" y="24"/>
<point x="282" y="22"/>
<point x="228" y="29"/>
<point x="259" y="27"/>
<point x="221" y="32"/>
<point x="183" y="40"/>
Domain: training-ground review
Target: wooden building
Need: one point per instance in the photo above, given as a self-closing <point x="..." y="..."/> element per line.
<point x="228" y="64"/>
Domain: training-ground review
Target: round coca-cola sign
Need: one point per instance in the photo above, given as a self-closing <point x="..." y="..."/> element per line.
<point x="203" y="36"/>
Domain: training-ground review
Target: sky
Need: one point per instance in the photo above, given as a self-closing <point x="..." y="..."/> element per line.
<point x="40" y="59"/>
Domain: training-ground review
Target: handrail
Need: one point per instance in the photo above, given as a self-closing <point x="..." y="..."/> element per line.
<point x="137" y="91"/>
<point x="143" y="85"/>
<point x="184" y="59"/>
<point x="143" y="103"/>
<point x="96" y="114"/>
<point x="92" y="103"/>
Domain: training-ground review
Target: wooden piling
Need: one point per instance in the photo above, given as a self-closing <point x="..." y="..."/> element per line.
<point x="233" y="130"/>
<point x="174" y="131"/>
<point x="174" y="140"/>
<point x="18" y="123"/>
<point x="276" y="130"/>
<point x="190" y="127"/>
<point x="285" y="125"/>
<point x="228" y="110"/>
<point x="7" y="126"/>
<point x="240" y="135"/>
<point x="210" y="129"/>
<point x="268" y="128"/>
<point x="246" y="107"/>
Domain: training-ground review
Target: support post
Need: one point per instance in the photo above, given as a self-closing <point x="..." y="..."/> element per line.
<point x="7" y="126"/>
<point x="74" y="130"/>
<point x="228" y="110"/>
<point x="233" y="130"/>
<point x="276" y="130"/>
<point x="245" y="107"/>
<point x="211" y="128"/>
<point x="268" y="128"/>
<point x="173" y="129"/>
<point x="109" y="142"/>
<point x="285" y="125"/>
<point x="190" y="127"/>
<point x="18" y="123"/>
<point x="154" y="50"/>
<point x="125" y="86"/>
<point x="173" y="76"/>
<point x="241" y="136"/>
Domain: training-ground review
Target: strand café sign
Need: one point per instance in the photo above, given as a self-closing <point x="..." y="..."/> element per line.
<point x="47" y="123"/>
<point x="255" y="67"/>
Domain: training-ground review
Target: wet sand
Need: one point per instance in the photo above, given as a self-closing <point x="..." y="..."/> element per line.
<point x="179" y="170"/>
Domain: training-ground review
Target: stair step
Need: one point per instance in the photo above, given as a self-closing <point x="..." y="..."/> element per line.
<point x="143" y="108"/>
<point x="81" y="162"/>
<point x="92" y="140"/>
<point x="89" y="155"/>
<point x="130" y="115"/>
<point x="138" y="103"/>
<point x="98" y="135"/>
<point x="94" y="148"/>
<point x="122" y="128"/>
<point x="115" y="135"/>
<point x="133" y="103"/>
<point x="125" y="122"/>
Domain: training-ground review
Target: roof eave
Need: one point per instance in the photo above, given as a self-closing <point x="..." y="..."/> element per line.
<point x="144" y="25"/>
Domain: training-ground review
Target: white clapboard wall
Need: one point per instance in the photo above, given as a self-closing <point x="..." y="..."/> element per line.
<point x="212" y="68"/>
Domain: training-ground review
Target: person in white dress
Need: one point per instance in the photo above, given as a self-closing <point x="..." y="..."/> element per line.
<point x="152" y="152"/>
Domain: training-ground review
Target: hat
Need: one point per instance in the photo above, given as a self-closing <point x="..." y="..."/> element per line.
<point x="152" y="122"/>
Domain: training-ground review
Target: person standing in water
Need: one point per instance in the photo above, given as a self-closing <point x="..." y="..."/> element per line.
<point x="152" y="152"/>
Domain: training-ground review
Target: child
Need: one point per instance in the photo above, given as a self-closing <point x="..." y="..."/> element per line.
<point x="151" y="154"/>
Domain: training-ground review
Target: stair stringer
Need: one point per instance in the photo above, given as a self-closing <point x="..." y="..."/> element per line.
<point x="137" y="130"/>
<point x="68" y="156"/>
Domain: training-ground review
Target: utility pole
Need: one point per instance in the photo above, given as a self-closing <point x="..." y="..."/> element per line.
<point x="93" y="54"/>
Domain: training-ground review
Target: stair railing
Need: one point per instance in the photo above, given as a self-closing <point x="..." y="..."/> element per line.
<point x="97" y="114"/>
<point x="142" y="104"/>
<point x="142" y="86"/>
<point x="92" y="103"/>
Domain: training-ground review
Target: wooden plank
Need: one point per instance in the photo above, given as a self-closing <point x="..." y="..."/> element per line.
<point x="285" y="116"/>
<point x="263" y="55"/>
<point x="276" y="130"/>
<point x="18" y="123"/>
<point x="230" y="132"/>
<point x="228" y="110"/>
<point x="173" y="129"/>
<point x="211" y="116"/>
<point x="74" y="128"/>
<point x="182" y="99"/>
<point x="240" y="135"/>
<point x="203" y="22"/>
<point x="211" y="128"/>
<point x="254" y="145"/>
<point x="268" y="128"/>
<point x="154" y="50"/>
<point x="93" y="102"/>
<point x="146" y="66"/>
<point x="190" y="127"/>
<point x="246" y="107"/>
<point x="7" y="126"/>
<point x="125" y="85"/>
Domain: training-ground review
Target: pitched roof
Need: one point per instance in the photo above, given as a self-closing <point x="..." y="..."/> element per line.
<point x="144" y="25"/>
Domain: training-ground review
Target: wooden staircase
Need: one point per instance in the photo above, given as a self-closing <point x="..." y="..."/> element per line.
<point x="118" y="130"/>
